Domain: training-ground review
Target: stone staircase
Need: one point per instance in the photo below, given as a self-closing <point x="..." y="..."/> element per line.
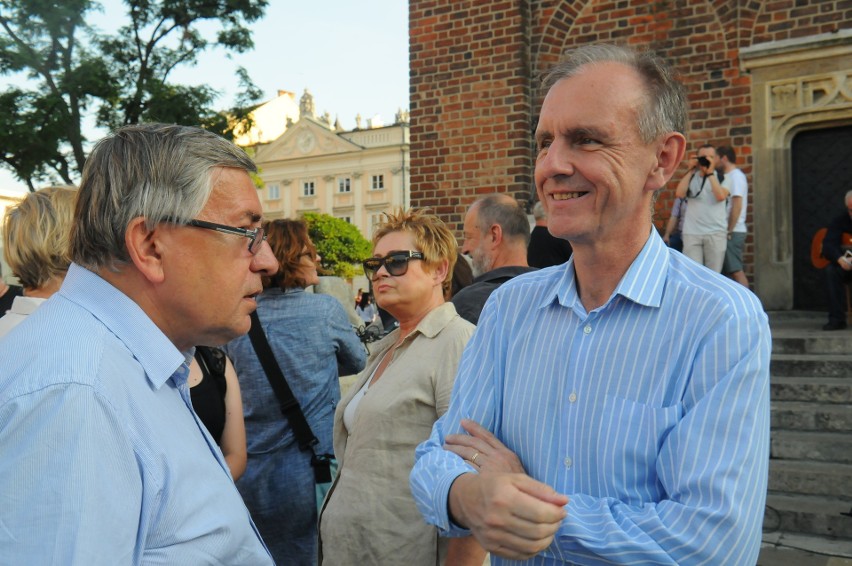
<point x="809" y="504"/>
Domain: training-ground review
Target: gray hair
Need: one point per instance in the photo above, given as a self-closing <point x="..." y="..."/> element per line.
<point x="505" y="211"/>
<point x="665" y="110"/>
<point x="848" y="196"/>
<point x="157" y="171"/>
<point x="538" y="210"/>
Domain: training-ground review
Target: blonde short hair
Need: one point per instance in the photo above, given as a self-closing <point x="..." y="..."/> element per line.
<point x="431" y="236"/>
<point x="36" y="235"/>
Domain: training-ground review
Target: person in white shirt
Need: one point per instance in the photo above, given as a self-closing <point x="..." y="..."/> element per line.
<point x="704" y="235"/>
<point x="737" y="204"/>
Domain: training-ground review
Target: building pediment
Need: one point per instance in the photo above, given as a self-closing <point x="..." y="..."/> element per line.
<point x="305" y="138"/>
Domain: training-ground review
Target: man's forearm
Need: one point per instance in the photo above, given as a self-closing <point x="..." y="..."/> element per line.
<point x="683" y="185"/>
<point x="720" y="192"/>
<point x="736" y="208"/>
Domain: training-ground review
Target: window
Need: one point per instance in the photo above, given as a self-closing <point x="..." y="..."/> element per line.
<point x="344" y="185"/>
<point x="347" y="219"/>
<point x="375" y="220"/>
<point x="274" y="192"/>
<point x="378" y="182"/>
<point x="308" y="189"/>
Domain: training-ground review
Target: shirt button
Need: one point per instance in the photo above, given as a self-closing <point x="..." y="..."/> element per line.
<point x="568" y="463"/>
<point x="587" y="329"/>
<point x="572" y="397"/>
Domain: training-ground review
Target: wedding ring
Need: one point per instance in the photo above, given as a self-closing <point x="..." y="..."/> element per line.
<point x="473" y="460"/>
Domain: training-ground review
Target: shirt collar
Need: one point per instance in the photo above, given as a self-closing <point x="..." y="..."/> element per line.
<point x="503" y="272"/>
<point x="434" y="321"/>
<point x="642" y="283"/>
<point x="156" y="354"/>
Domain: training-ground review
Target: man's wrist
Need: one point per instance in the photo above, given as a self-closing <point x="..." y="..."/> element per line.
<point x="454" y="504"/>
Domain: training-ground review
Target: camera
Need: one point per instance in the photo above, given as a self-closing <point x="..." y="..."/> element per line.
<point x="703" y="161"/>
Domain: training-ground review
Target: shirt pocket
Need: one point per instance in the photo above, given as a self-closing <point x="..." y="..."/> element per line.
<point x="631" y="436"/>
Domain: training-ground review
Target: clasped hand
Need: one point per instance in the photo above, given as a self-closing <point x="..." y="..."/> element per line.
<point x="510" y="514"/>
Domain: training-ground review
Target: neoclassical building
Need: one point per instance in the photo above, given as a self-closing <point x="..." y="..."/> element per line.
<point x="315" y="166"/>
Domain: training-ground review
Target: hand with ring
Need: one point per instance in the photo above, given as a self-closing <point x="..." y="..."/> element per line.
<point x="483" y="450"/>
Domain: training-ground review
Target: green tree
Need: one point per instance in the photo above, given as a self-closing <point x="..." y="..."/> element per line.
<point x="339" y="243"/>
<point x="74" y="72"/>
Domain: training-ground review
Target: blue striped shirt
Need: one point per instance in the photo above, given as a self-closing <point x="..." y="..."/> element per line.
<point x="103" y="459"/>
<point x="651" y="412"/>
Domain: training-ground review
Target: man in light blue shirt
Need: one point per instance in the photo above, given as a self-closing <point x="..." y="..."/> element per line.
<point x="103" y="459"/>
<point x="623" y="396"/>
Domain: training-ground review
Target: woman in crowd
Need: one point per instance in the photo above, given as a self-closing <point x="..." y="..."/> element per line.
<point x="369" y="516"/>
<point x="215" y="394"/>
<point x="35" y="245"/>
<point x="313" y="344"/>
<point x="366" y="310"/>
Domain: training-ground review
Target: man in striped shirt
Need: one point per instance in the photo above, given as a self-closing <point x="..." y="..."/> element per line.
<point x="623" y="397"/>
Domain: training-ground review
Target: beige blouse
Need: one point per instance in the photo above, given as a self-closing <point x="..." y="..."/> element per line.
<point x="369" y="516"/>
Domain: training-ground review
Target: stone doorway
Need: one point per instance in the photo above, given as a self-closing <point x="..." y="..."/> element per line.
<point x="798" y="86"/>
<point x="822" y="169"/>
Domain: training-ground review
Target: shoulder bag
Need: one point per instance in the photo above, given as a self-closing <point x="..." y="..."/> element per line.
<point x="324" y="465"/>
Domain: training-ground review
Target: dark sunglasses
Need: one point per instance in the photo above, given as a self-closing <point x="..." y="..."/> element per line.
<point x="396" y="263"/>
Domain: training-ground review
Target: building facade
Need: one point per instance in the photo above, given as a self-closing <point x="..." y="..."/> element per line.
<point x="769" y="77"/>
<point x="314" y="166"/>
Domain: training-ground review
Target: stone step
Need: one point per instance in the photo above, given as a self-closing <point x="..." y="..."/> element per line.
<point x="814" y="365"/>
<point x="802" y="416"/>
<point x="812" y="446"/>
<point x="809" y="514"/>
<point x="831" y="344"/>
<point x="811" y="389"/>
<point x="828" y="479"/>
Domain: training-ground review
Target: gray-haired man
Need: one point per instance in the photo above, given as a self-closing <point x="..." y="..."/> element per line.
<point x="104" y="460"/>
<point x="496" y="234"/>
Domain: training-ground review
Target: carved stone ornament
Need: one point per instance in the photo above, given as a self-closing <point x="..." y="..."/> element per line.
<point x="306" y="141"/>
<point x="816" y="92"/>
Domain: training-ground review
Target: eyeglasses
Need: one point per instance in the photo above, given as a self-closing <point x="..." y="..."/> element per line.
<point x="256" y="236"/>
<point x="396" y="263"/>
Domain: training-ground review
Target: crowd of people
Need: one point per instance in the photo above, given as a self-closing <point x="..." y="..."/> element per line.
<point x="177" y="398"/>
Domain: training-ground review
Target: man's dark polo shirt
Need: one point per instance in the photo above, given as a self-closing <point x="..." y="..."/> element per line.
<point x="470" y="300"/>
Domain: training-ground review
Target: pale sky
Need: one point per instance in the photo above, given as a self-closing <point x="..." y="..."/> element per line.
<point x="351" y="56"/>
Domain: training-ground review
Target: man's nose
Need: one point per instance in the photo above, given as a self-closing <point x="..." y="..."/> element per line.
<point x="264" y="261"/>
<point x="556" y="160"/>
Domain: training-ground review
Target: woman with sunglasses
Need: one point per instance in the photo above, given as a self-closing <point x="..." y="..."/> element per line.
<point x="369" y="515"/>
<point x="313" y="343"/>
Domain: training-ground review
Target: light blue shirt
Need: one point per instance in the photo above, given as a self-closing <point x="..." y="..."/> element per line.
<point x="103" y="460"/>
<point x="651" y="413"/>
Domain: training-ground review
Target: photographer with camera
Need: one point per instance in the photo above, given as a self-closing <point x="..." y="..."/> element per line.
<point x="705" y="227"/>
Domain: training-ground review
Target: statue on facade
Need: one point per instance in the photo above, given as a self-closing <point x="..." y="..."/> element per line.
<point x="306" y="105"/>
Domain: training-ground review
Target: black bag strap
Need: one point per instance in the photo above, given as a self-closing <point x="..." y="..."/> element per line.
<point x="289" y="405"/>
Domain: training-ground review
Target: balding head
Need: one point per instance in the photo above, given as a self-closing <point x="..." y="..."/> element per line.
<point x="496" y="233"/>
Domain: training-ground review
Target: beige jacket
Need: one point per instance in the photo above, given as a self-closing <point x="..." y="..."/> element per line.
<point x="369" y="516"/>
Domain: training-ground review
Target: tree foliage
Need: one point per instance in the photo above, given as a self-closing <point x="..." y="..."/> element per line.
<point x="339" y="243"/>
<point x="74" y="72"/>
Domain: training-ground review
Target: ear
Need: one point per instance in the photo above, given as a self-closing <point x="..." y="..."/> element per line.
<point x="496" y="233"/>
<point x="670" y="151"/>
<point x="440" y="271"/>
<point x="143" y="247"/>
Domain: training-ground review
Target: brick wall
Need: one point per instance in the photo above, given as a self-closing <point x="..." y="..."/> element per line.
<point x="474" y="90"/>
<point x="470" y="103"/>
